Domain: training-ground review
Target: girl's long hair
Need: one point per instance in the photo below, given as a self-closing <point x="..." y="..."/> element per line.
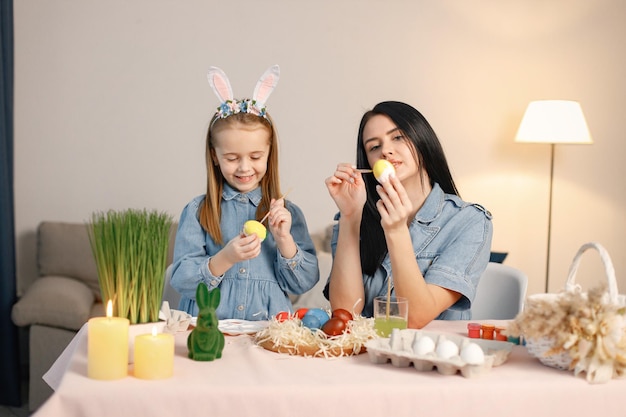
<point x="430" y="158"/>
<point x="210" y="212"/>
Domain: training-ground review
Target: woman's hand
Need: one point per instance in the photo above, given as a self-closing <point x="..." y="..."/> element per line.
<point x="347" y="189"/>
<point x="394" y="205"/>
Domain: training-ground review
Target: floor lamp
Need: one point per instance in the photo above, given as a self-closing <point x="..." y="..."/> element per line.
<point x="553" y="122"/>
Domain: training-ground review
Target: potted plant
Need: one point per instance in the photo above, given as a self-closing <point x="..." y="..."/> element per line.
<point x="130" y="248"/>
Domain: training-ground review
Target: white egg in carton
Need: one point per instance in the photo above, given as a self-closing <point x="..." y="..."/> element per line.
<point x="448" y="353"/>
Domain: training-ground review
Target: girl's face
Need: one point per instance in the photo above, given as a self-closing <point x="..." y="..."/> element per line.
<point x="383" y="140"/>
<point x="241" y="151"/>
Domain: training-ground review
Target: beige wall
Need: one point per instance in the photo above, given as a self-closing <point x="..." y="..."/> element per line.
<point x="112" y="104"/>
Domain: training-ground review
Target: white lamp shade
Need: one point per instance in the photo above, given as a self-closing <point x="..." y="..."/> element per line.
<point x="554" y="121"/>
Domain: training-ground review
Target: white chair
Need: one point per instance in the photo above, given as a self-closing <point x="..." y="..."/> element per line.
<point x="170" y="294"/>
<point x="500" y="294"/>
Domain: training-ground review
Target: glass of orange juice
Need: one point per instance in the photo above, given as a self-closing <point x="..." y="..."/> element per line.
<point x="390" y="313"/>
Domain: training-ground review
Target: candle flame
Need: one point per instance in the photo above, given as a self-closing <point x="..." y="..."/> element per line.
<point x="154" y="331"/>
<point x="110" y="309"/>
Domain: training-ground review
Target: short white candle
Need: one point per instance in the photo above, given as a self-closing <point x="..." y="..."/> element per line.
<point x="154" y="355"/>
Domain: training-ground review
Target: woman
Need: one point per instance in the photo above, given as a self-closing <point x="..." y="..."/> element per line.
<point x="412" y="229"/>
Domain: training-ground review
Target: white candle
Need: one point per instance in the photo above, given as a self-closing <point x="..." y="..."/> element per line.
<point x="107" y="346"/>
<point x="154" y="355"/>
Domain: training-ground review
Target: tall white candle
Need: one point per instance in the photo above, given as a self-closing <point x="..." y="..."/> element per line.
<point x="107" y="346"/>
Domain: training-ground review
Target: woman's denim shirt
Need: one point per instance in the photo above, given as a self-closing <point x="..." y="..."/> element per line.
<point x="451" y="242"/>
<point x="255" y="289"/>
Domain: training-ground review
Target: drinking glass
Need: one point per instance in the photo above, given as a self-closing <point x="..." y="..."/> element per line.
<point x="390" y="313"/>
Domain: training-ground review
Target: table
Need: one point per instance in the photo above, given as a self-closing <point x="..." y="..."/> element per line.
<point x="251" y="381"/>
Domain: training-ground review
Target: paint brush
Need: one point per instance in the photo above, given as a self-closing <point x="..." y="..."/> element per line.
<point x="268" y="213"/>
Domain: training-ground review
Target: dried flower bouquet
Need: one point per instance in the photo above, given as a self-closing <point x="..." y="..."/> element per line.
<point x="576" y="330"/>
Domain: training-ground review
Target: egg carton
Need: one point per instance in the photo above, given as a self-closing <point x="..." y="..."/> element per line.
<point x="399" y="350"/>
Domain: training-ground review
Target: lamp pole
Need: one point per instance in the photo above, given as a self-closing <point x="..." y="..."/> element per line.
<point x="549" y="216"/>
<point x="552" y="122"/>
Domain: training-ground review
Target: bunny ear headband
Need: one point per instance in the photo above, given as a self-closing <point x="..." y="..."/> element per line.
<point x="229" y="105"/>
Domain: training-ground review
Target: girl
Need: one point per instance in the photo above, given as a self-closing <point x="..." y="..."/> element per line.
<point x="254" y="276"/>
<point x="413" y="225"/>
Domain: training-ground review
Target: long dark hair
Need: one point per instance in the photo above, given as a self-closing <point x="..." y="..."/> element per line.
<point x="429" y="156"/>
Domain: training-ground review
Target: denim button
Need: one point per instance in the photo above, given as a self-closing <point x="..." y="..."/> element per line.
<point x="242" y="270"/>
<point x="240" y="307"/>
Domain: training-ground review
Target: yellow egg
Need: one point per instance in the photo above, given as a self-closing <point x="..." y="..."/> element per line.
<point x="383" y="169"/>
<point x="253" y="226"/>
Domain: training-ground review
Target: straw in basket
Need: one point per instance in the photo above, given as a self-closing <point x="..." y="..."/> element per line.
<point x="583" y="331"/>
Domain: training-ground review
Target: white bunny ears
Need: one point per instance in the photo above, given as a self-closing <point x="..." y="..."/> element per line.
<point x="229" y="105"/>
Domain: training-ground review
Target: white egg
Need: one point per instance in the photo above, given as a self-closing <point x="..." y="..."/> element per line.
<point x="447" y="349"/>
<point x="472" y="354"/>
<point x="423" y="345"/>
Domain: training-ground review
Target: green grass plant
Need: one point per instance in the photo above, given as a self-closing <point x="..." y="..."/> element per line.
<point x="130" y="248"/>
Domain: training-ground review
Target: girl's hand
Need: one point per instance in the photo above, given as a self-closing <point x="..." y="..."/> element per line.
<point x="347" y="189"/>
<point x="279" y="223"/>
<point x="279" y="220"/>
<point x="241" y="248"/>
<point x="394" y="205"/>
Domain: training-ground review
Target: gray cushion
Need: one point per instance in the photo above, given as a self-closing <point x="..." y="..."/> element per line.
<point x="55" y="301"/>
<point x="64" y="250"/>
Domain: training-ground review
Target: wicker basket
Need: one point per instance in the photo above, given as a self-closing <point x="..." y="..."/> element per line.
<point x="543" y="348"/>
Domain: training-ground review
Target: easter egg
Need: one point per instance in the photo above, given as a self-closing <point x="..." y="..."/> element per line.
<point x="334" y="326"/>
<point x="343" y="314"/>
<point x="383" y="169"/>
<point x="253" y="226"/>
<point x="311" y="321"/>
<point x="321" y="315"/>
<point x="300" y="312"/>
<point x="283" y="316"/>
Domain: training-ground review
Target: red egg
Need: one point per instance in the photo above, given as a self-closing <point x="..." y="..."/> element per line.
<point x="300" y="312"/>
<point x="334" y="326"/>
<point x="343" y="314"/>
<point x="283" y="316"/>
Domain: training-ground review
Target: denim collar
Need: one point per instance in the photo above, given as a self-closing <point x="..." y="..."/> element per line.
<point x="433" y="205"/>
<point x="230" y="193"/>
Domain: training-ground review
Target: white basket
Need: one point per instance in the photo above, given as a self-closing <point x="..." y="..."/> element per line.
<point x="540" y="347"/>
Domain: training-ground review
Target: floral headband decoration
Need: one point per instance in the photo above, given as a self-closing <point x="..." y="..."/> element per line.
<point x="229" y="105"/>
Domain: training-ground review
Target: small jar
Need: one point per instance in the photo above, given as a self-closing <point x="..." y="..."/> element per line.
<point x="488" y="330"/>
<point x="473" y="330"/>
<point x="513" y="339"/>
<point x="499" y="331"/>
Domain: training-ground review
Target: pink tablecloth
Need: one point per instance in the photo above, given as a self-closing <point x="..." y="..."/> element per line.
<point x="250" y="381"/>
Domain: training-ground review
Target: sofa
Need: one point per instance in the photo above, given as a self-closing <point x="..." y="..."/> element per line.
<point x="66" y="294"/>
